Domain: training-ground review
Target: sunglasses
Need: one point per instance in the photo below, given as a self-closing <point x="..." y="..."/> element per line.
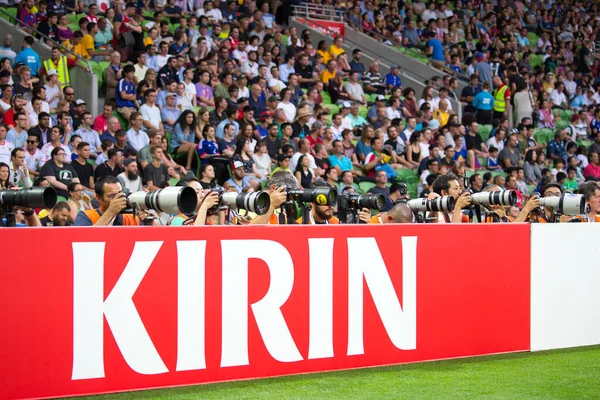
<point x="32" y="141"/>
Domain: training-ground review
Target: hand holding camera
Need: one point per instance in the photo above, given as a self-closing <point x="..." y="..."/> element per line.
<point x="463" y="201"/>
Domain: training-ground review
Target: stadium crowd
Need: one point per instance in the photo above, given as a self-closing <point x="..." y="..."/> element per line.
<point x="224" y="95"/>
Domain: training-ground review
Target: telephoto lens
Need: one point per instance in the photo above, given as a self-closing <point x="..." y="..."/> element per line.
<point x="323" y="196"/>
<point x="439" y="204"/>
<point x="358" y="201"/>
<point x="170" y="200"/>
<point x="566" y="204"/>
<point x="36" y="197"/>
<point x="255" y="202"/>
<point x="499" y="198"/>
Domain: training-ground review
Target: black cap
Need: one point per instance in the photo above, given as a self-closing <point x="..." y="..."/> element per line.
<point x="131" y="4"/>
<point x="282" y="157"/>
<point x="550" y="185"/>
<point x="4" y="73"/>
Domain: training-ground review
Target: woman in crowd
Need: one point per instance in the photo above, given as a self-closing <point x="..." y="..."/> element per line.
<point x="183" y="141"/>
<point x="303" y="173"/>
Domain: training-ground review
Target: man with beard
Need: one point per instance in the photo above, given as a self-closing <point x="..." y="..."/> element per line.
<point x="130" y="179"/>
<point x="320" y="214"/>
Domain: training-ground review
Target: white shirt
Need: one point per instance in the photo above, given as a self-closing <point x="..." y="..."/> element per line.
<point x="392" y="114"/>
<point x="34" y="161"/>
<point x="190" y="90"/>
<point x="337" y="132"/>
<point x="250" y="68"/>
<point x="133" y="186"/>
<point x="558" y="98"/>
<point x="276" y="85"/>
<point x="571" y="86"/>
<point x="296" y="157"/>
<point x="18" y="175"/>
<point x="47" y="150"/>
<point x="493" y="142"/>
<point x="140" y="72"/>
<point x="151" y="114"/>
<point x="5" y="150"/>
<point x="137" y="140"/>
<point x="289" y="109"/>
<point x="240" y="55"/>
<point x="161" y="60"/>
<point x="50" y="92"/>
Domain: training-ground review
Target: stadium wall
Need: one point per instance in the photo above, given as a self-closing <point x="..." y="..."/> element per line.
<point x="565" y="286"/>
<point x="118" y="309"/>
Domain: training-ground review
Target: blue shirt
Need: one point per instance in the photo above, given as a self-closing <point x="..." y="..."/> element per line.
<point x="18" y="141"/>
<point x="30" y="58"/>
<point x="362" y="148"/>
<point x="258" y="106"/>
<point x="107" y="136"/>
<point x="207" y="147"/>
<point x="179" y="136"/>
<point x="392" y="80"/>
<point x="220" y="131"/>
<point x="128" y="88"/>
<point x="558" y="149"/>
<point x="343" y="162"/>
<point x="169" y="113"/>
<point x="438" y="49"/>
<point x="483" y="101"/>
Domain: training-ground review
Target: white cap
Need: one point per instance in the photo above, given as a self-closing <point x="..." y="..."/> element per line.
<point x="346" y="104"/>
<point x="79" y="102"/>
<point x="52" y="72"/>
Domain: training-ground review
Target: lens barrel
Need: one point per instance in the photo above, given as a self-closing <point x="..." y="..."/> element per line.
<point x="36" y="197"/>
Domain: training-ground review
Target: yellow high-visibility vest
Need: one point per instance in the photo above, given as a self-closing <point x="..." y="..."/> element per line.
<point x="499" y="102"/>
<point x="61" y="67"/>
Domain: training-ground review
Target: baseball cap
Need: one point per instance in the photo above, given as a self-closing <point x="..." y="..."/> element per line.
<point x="51" y="72"/>
<point x="128" y="161"/>
<point x="79" y="102"/>
<point x="281" y="157"/>
<point x="237" y="164"/>
<point x="394" y="66"/>
<point x="346" y="104"/>
<point x="380" y="98"/>
<point x="434" y="124"/>
<point x="241" y="100"/>
<point x="170" y="94"/>
<point x="19" y="64"/>
<point x="273" y="98"/>
<point x="266" y="114"/>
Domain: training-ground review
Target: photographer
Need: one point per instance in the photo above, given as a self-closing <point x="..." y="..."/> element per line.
<point x="399" y="214"/>
<point x="591" y="192"/>
<point x="320" y="215"/>
<point x="547" y="214"/>
<point x="205" y="202"/>
<point x="276" y="186"/>
<point x="112" y="201"/>
<point x="447" y="185"/>
<point x="498" y="213"/>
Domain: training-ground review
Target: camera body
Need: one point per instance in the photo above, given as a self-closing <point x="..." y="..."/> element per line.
<point x="347" y="201"/>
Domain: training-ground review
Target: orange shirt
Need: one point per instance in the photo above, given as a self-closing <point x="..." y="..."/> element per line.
<point x="332" y="220"/>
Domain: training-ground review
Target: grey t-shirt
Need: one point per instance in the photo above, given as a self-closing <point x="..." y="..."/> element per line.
<point x="514" y="157"/>
<point x="159" y="176"/>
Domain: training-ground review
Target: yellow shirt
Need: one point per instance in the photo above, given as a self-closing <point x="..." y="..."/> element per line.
<point x="326" y="56"/>
<point x="81" y="51"/>
<point x="326" y="76"/>
<point x="87" y="43"/>
<point x="442" y="116"/>
<point x="335" y="51"/>
<point x="148" y="41"/>
<point x="69" y="46"/>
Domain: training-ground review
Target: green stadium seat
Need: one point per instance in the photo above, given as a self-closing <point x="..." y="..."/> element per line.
<point x="531" y="188"/>
<point x="566" y="115"/>
<point x="60" y="198"/>
<point x="326" y="98"/>
<point x="363" y="187"/>
<point x="363" y="111"/>
<point x="407" y="175"/>
<point x="484" y="132"/>
<point x="561" y="124"/>
<point x="496" y="173"/>
<point x="540" y="136"/>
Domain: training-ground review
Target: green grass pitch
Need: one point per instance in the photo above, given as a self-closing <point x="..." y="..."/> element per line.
<point x="557" y="374"/>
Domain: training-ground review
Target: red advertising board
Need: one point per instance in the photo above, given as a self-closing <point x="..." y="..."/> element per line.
<point x="96" y="310"/>
<point x="329" y="28"/>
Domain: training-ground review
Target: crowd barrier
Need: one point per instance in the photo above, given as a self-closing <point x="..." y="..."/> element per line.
<point x="99" y="310"/>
